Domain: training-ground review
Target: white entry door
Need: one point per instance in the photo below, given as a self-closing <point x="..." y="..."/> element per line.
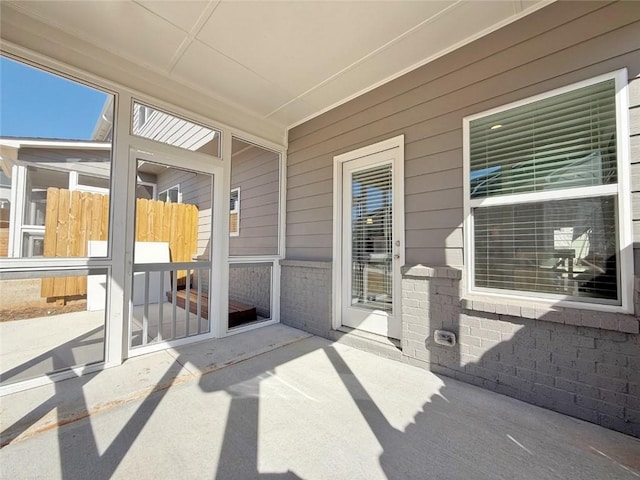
<point x="372" y="241"/>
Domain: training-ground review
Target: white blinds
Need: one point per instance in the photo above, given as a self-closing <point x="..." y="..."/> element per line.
<point x="566" y="247"/>
<point x="564" y="141"/>
<point x="371" y="225"/>
<point x="233" y="200"/>
<point x="528" y="244"/>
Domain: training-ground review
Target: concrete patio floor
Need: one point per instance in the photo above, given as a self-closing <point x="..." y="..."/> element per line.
<point x="41" y="345"/>
<point x="278" y="403"/>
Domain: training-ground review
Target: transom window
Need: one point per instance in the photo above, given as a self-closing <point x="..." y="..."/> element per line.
<point x="164" y="127"/>
<point x="543" y="196"/>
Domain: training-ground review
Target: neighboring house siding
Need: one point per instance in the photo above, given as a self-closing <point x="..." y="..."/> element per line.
<point x="167" y="128"/>
<point x="559" y="45"/>
<point x="257" y="173"/>
<point x="87" y="162"/>
<point x="581" y="362"/>
<point x="195" y="190"/>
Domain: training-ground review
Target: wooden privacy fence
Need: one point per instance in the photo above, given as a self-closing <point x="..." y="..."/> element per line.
<point x="73" y="218"/>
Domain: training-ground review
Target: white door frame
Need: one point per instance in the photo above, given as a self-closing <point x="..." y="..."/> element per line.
<point x="185" y="160"/>
<point x="398" y="206"/>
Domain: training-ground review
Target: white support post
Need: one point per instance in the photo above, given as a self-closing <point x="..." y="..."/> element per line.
<point x="121" y="233"/>
<point x="18" y="192"/>
<point x="219" y="280"/>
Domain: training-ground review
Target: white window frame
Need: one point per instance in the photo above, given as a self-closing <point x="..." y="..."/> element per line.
<point x="74" y="184"/>
<point x="236" y="211"/>
<point x="167" y="190"/>
<point x="621" y="189"/>
<point x="154" y="187"/>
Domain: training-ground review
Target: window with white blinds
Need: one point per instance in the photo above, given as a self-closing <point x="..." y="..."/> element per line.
<point x="371" y="238"/>
<point x="234" y="212"/>
<point x="542" y="196"/>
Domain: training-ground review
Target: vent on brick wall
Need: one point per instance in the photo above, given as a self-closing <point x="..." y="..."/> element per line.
<point x="443" y="337"/>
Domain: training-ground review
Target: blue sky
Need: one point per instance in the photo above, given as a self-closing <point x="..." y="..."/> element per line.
<point x="34" y="103"/>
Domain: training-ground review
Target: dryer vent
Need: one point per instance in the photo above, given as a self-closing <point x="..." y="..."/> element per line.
<point x="443" y="337"/>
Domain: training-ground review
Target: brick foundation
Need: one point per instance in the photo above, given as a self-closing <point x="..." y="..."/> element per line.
<point x="578" y="362"/>
<point x="305" y="296"/>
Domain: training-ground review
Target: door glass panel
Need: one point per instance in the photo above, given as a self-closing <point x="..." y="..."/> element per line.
<point x="172" y="254"/>
<point x="371" y="241"/>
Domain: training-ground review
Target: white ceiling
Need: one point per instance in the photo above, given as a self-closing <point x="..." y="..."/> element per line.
<point x="284" y="61"/>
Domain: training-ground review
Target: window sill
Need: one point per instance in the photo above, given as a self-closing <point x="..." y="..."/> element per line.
<point x="582" y="316"/>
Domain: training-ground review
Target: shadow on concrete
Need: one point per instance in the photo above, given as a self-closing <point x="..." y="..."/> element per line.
<point x="59" y="358"/>
<point x="450" y="436"/>
<point x="575" y="370"/>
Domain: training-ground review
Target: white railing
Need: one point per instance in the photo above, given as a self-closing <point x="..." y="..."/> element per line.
<point x="170" y="320"/>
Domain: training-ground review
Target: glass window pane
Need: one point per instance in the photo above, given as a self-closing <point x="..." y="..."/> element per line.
<point x="234" y="212"/>
<point x="565" y="141"/>
<point x="170" y="195"/>
<point x="33" y="244"/>
<point x="566" y="247"/>
<point x="88" y="182"/>
<point x="163" y="127"/>
<point x="371" y="255"/>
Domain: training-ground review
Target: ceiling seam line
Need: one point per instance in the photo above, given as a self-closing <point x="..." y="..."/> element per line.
<point x="541" y="4"/>
<point x="374" y="52"/>
<point x="193" y="33"/>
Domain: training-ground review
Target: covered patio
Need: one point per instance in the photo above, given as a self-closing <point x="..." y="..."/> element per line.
<point x="248" y="406"/>
<point x="456" y="181"/>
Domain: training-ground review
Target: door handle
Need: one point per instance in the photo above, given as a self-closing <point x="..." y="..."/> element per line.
<point x="396" y="256"/>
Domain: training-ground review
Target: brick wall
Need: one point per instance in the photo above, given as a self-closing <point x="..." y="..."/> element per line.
<point x="250" y="283"/>
<point x="578" y="362"/>
<point x="305" y="296"/>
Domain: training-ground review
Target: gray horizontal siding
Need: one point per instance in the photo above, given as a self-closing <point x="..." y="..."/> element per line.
<point x="95" y="163"/>
<point x="256" y="172"/>
<point x="195" y="190"/>
<point x="634" y="123"/>
<point x="172" y="130"/>
<point x="548" y="31"/>
<point x="556" y="46"/>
